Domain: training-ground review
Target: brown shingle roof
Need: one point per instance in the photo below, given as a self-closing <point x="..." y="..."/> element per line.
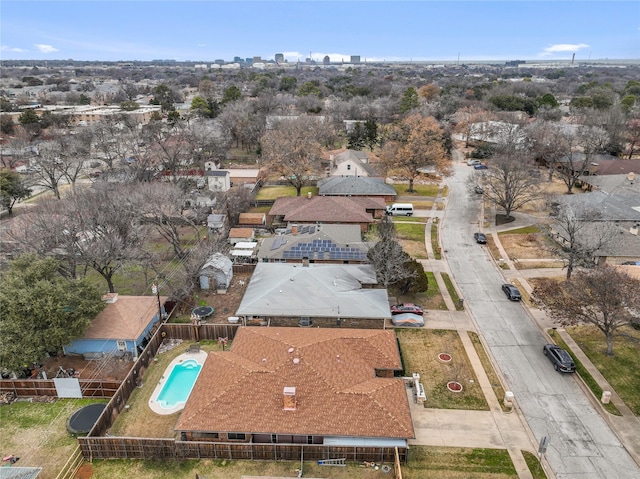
<point x="251" y="218"/>
<point x="329" y="209"/>
<point x="125" y="319"/>
<point x="337" y="392"/>
<point x="240" y="232"/>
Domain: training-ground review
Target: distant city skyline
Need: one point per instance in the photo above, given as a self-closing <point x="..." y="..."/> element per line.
<point x="420" y="31"/>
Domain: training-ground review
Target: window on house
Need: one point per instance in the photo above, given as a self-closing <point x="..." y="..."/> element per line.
<point x="348" y="167"/>
<point x="274" y="438"/>
<point x="236" y="435"/>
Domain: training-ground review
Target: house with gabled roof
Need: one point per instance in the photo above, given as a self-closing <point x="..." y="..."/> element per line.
<point x="351" y="163"/>
<point x="327" y="294"/>
<point x="331" y="387"/>
<point x="361" y="210"/>
<point x="356" y="186"/>
<point x="327" y="243"/>
<point x="122" y="328"/>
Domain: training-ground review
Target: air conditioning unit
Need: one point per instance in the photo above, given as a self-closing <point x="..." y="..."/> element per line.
<point x="122" y="345"/>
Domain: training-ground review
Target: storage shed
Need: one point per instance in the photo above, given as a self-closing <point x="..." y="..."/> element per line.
<point x="216" y="273"/>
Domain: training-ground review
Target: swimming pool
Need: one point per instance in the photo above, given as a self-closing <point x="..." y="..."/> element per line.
<point x="173" y="391"/>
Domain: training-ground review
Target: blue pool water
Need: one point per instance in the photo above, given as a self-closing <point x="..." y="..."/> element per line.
<point x="179" y="384"/>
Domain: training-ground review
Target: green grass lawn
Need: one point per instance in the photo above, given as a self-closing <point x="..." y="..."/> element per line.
<point x="275" y="192"/>
<point x="435" y="245"/>
<point x="419" y="349"/>
<point x="424" y="462"/>
<point x="408" y="219"/>
<point x="622" y="370"/>
<point x="419" y="190"/>
<point x="453" y="462"/>
<point x="521" y="231"/>
<point x="410" y="231"/>
<point x="585" y="375"/>
<point x="534" y="465"/>
<point x="496" y="385"/>
<point x="452" y="292"/>
<point x="36" y="433"/>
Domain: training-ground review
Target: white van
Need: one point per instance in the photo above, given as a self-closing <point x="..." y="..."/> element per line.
<point x="400" y="209"/>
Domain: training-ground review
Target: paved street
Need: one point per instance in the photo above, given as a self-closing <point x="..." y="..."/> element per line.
<point x="581" y="443"/>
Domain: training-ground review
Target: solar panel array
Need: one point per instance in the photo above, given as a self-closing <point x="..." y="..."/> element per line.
<point x="324" y="249"/>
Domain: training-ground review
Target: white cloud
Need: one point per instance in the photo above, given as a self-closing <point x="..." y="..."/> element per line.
<point x="45" y="48"/>
<point x="6" y="48"/>
<point x="563" y="48"/>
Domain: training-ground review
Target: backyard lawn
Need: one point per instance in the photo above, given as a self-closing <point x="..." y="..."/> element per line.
<point x="36" y="432"/>
<point x="424" y="462"/>
<point x="274" y="192"/>
<point x="140" y="421"/>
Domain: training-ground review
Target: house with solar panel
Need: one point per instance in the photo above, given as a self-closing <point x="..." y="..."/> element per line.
<point x="325" y="243"/>
<point x="313" y="294"/>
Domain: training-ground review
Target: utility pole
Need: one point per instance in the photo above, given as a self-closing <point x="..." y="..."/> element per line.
<point x="155" y="290"/>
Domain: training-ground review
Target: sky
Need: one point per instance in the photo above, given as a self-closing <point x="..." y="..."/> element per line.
<point x="384" y="30"/>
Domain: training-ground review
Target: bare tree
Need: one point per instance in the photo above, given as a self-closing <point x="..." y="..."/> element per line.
<point x="508" y="183"/>
<point x="605" y="296"/>
<point x="550" y="143"/>
<point x="236" y="201"/>
<point x="413" y="144"/>
<point x="163" y="206"/>
<point x="387" y="257"/>
<point x="50" y="170"/>
<point x="580" y="232"/>
<point x="293" y="148"/>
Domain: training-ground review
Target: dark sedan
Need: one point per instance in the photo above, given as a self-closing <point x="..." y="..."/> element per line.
<point x="406" y="308"/>
<point x="480" y="238"/>
<point x="560" y="359"/>
<point x="480" y="167"/>
<point x="512" y="292"/>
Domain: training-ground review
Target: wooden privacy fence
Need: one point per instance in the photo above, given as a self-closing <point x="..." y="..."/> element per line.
<point x="163" y="449"/>
<point x="94" y="388"/>
<point x="165" y="332"/>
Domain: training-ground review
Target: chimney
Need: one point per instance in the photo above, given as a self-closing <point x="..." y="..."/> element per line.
<point x="110" y="298"/>
<point x="294" y="230"/>
<point x="305" y="261"/>
<point x="289" y="398"/>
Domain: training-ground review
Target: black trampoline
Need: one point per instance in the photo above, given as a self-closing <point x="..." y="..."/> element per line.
<point x="83" y="419"/>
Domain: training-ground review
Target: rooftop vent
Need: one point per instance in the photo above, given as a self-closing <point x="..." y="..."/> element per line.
<point x="289" y="398"/>
<point x="110" y="298"/>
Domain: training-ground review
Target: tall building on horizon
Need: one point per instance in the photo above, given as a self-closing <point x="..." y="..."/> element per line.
<point x="279" y="58"/>
<point x="355" y="58"/>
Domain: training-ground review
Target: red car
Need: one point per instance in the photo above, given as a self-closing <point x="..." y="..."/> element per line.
<point x="406" y="308"/>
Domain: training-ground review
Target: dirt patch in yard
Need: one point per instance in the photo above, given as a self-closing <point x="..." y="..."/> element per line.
<point x="526" y="246"/>
<point x="224" y="304"/>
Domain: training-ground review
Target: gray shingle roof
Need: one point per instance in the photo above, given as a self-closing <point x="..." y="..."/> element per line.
<point x="354" y="185"/>
<point x="316" y="290"/>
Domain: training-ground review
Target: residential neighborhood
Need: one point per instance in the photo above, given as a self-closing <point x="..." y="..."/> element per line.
<point x="258" y="271"/>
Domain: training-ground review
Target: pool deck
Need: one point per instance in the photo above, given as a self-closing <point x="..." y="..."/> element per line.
<point x="200" y="357"/>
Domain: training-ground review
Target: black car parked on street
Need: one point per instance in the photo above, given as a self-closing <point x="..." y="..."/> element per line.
<point x="560" y="359"/>
<point x="512" y="292"/>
